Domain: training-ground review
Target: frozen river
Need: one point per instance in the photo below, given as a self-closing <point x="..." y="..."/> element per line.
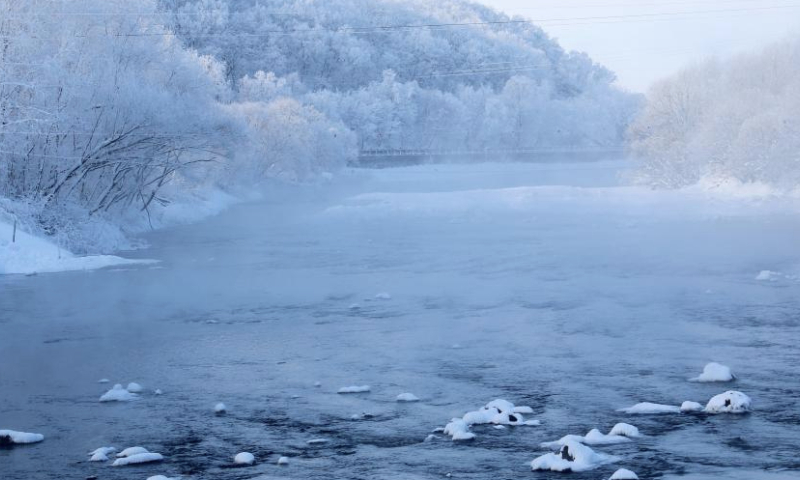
<point x="546" y="285"/>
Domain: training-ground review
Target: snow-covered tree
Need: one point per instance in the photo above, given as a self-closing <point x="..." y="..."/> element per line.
<point x="734" y="119"/>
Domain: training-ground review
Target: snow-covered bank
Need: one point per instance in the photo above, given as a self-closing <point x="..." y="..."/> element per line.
<point x="31" y="254"/>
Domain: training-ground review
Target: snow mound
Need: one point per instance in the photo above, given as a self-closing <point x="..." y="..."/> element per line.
<point x="104" y="380"/>
<point x="715" y="372"/>
<point x="118" y="394"/>
<point x="572" y="457"/>
<point x="625" y="430"/>
<point x="283" y="461"/>
<point x="130" y="451"/>
<point x="458" y="429"/>
<point x="244" y="458"/>
<point x="134" y="387"/>
<point x="148" y="457"/>
<point x="497" y="412"/>
<point x="646" y="408"/>
<point x="624" y="474"/>
<point x="220" y="408"/>
<point x="688" y="407"/>
<point x="11" y="437"/>
<point x="355" y="389"/>
<point x="383" y="296"/>
<point x="101" y="454"/>
<point x="621" y="433"/>
<point x="158" y="391"/>
<point x="31" y="254"/>
<point x="160" y="477"/>
<point x="729" y="402"/>
<point x="407" y="397"/>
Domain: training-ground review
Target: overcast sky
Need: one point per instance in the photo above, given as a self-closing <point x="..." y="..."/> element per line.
<point x="645" y="40"/>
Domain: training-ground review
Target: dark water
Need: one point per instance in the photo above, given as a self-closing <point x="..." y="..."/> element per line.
<point x="573" y="301"/>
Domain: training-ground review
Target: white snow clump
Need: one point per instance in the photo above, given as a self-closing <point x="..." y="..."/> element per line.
<point x="715" y="372"/>
<point x="573" y="457"/>
<point x="118" y="394"/>
<point x="729" y="402"/>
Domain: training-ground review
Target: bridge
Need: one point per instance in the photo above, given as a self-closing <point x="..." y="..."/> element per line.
<point x="396" y="157"/>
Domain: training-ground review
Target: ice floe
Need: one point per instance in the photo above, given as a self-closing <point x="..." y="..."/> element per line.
<point x="715" y="372"/>
<point x="104" y="380"/>
<point x="220" y="408"/>
<point x="689" y="407"/>
<point x="355" y="389"/>
<point x="145" y="457"/>
<point x="572" y="457"/>
<point x="729" y="402"/>
<point x="383" y="296"/>
<point x="160" y="477"/>
<point x="244" y="458"/>
<point x="646" y="408"/>
<point x="407" y="397"/>
<point x="134" y="387"/>
<point x="11" y="437"/>
<point x="498" y="412"/>
<point x="101" y="454"/>
<point x="283" y="461"/>
<point x="624" y="474"/>
<point x="317" y="441"/>
<point x="158" y="391"/>
<point x="118" y="394"/>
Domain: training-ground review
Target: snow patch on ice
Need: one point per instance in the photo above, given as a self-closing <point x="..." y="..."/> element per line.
<point x="407" y="397"/>
<point x="132" y="451"/>
<point x="647" y="408"/>
<point x="624" y="474"/>
<point x="625" y="430"/>
<point x="355" y="389"/>
<point x="283" y="461"/>
<point x="621" y="433"/>
<point x="729" y="402"/>
<point x="383" y="296"/>
<point x="148" y="457"/>
<point x="688" y="407"/>
<point x="572" y="457"/>
<point x="11" y="437"/>
<point x="458" y="429"/>
<point x="101" y="454"/>
<point x="134" y="387"/>
<point x="118" y="394"/>
<point x="715" y="372"/>
<point x="220" y="408"/>
<point x="498" y="412"/>
<point x="244" y="458"/>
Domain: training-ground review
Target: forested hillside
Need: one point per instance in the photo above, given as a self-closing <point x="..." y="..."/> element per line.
<point x="412" y="75"/>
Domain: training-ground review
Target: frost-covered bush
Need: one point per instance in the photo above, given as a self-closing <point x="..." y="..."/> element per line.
<point x="734" y="119"/>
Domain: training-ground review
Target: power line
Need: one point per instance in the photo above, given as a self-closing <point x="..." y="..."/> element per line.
<point x="546" y="22"/>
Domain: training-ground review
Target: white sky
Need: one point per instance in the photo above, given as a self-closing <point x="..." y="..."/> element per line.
<point x="644" y="40"/>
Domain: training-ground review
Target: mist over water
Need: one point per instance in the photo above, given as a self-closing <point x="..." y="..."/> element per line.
<point x="547" y="285"/>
